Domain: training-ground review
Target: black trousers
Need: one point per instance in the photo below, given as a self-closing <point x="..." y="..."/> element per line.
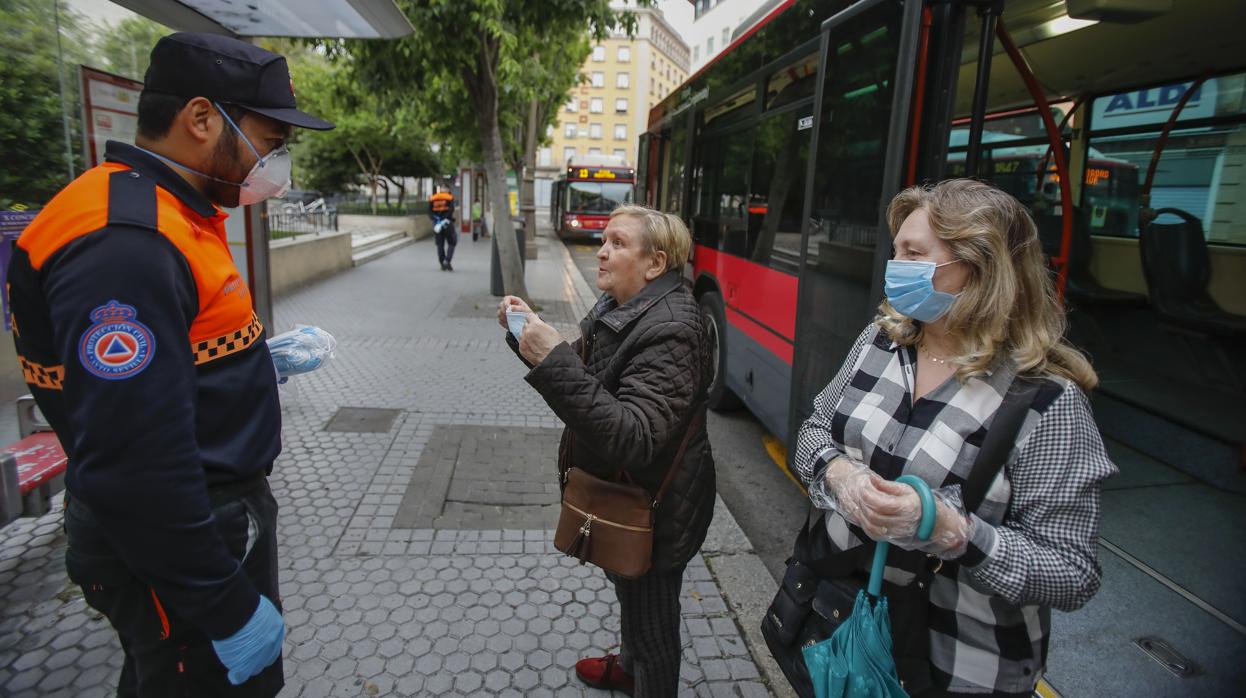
<point x="445" y="244"/>
<point x="164" y="654"/>
<point x="649" y="616"/>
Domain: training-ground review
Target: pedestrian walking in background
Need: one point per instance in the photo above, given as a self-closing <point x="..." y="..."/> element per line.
<point x="140" y="343"/>
<point x="632" y="392"/>
<point x="441" y="210"/>
<point x="970" y="309"/>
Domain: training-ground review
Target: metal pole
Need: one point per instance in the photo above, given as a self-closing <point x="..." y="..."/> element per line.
<point x="977" y="117"/>
<point x="60" y="73"/>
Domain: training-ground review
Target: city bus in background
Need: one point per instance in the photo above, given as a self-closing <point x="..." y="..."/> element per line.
<point x="1122" y="125"/>
<point x="584" y="196"/>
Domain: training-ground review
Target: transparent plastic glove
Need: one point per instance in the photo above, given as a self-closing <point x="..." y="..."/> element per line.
<point x="301" y="350"/>
<point x="890" y="511"/>
<point x="840" y="488"/>
<point x="256" y="646"/>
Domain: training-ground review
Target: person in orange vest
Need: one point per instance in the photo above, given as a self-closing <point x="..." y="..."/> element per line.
<point x="441" y="210"/>
<point x="138" y="339"/>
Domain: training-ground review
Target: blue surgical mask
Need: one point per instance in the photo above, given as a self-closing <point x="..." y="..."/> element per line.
<point x="910" y="290"/>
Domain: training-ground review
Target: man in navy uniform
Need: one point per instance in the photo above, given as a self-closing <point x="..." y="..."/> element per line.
<point x="138" y="338"/>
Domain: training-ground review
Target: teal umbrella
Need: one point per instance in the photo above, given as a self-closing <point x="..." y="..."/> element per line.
<point x="856" y="662"/>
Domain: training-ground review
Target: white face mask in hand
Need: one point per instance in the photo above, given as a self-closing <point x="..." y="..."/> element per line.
<point x="516" y="320"/>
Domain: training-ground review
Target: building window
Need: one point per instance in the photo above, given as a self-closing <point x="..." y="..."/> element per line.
<point x="594" y="151"/>
<point x="568" y="154"/>
<point x="620" y="153"/>
<point x="572" y="105"/>
<point x="594" y="131"/>
<point x="709" y="47"/>
<point x="599" y="79"/>
<point x="620" y="132"/>
<point x="568" y="130"/>
<point x="545" y="157"/>
<point x="696" y="53"/>
<point x="625" y="54"/>
<point x="599" y="54"/>
<point x="596" y="105"/>
<point x="620" y="105"/>
<point x="623" y="79"/>
<point x="726" y="36"/>
<point x="651" y="85"/>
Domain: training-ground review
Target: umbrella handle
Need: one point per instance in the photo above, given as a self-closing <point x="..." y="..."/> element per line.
<point x="925" y="527"/>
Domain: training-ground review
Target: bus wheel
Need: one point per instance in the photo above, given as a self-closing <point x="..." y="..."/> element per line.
<point x="714" y="318"/>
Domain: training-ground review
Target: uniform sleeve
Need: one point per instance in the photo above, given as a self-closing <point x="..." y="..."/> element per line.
<point x="1046" y="551"/>
<point x="656" y="393"/>
<point x="815" y="447"/>
<point x="121" y="302"/>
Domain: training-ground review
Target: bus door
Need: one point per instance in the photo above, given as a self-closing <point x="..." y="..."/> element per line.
<point x="860" y="119"/>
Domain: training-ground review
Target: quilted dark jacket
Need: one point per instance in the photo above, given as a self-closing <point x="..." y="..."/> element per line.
<point x="647" y="374"/>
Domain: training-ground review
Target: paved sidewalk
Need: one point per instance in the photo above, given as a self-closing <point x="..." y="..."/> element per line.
<point x="416" y="519"/>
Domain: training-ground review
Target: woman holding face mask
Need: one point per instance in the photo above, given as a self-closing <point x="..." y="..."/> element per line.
<point x="632" y="393"/>
<point x="970" y="307"/>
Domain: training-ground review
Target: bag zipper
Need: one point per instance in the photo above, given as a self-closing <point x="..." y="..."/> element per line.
<point x="593" y="517"/>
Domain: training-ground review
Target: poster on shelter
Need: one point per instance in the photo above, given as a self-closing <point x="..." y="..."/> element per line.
<point x="109" y="111"/>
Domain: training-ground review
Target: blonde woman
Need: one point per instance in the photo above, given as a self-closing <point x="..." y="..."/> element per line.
<point x="628" y="398"/>
<point x="970" y="306"/>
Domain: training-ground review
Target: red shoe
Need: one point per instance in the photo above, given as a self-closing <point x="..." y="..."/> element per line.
<point x="605" y="672"/>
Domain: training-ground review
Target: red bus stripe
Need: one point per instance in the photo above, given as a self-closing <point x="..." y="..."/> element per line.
<point x="763" y="294"/>
<point x="762" y="335"/>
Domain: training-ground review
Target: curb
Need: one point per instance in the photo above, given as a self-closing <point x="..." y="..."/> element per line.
<point x="743" y="579"/>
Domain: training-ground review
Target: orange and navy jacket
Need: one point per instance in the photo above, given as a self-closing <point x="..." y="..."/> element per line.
<point x="441" y="205"/>
<point x="137" y="337"/>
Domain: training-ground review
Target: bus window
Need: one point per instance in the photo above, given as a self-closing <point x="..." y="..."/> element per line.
<point x="730" y="109"/>
<point x="792" y="82"/>
<point x="673" y="168"/>
<point x="777" y="189"/>
<point x="1196" y="169"/>
<point x="836" y="298"/>
<point x="731" y="202"/>
<point x="597" y="197"/>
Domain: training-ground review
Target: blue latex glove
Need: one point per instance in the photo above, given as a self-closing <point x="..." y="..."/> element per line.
<point x="256" y="646"/>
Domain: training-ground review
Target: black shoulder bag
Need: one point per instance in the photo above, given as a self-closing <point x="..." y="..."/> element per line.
<point x="820" y="585"/>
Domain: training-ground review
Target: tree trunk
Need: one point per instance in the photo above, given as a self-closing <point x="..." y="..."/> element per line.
<point x="527" y="192"/>
<point x="485" y="94"/>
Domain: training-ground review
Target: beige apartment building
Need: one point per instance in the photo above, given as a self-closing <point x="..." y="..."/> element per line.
<point x="623" y="79"/>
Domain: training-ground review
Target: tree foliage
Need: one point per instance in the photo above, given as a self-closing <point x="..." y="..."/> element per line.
<point x="125" y="47"/>
<point x="32" y="139"/>
<point x="477" y="66"/>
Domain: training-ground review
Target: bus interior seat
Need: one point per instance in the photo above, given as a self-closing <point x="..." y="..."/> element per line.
<point x="1177" y="267"/>
<point x="1082" y="287"/>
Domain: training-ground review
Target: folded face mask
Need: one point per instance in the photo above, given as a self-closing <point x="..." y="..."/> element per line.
<point x="516" y="320"/>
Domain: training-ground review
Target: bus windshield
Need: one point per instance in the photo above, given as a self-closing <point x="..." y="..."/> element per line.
<point x="597" y="197"/>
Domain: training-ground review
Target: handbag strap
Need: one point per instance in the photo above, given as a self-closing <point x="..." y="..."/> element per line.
<point x="1001" y="436"/>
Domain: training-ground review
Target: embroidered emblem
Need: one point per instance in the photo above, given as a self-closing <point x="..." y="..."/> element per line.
<point x="117" y="346"/>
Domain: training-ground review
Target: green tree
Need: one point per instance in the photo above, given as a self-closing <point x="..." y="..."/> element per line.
<point x="466" y="60"/>
<point x="32" y="139"/>
<point x="376" y="142"/>
<point x="124" y="48"/>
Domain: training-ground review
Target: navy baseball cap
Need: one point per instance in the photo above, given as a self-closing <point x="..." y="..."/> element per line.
<point x="227" y="70"/>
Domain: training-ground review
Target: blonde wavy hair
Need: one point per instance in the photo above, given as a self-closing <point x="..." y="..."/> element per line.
<point x="1009" y="305"/>
<point x="662" y="231"/>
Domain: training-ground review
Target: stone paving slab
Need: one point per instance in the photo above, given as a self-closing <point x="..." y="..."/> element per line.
<point x="374" y="609"/>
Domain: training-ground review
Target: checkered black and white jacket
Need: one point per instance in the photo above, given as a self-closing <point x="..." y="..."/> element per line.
<point x="1034" y="538"/>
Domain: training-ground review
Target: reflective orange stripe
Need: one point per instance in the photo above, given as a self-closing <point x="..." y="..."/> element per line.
<point x="164" y="618"/>
<point x="219" y="347"/>
<point x="49" y="377"/>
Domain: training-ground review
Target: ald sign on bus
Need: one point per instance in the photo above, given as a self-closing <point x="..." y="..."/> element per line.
<point x="1153" y="105"/>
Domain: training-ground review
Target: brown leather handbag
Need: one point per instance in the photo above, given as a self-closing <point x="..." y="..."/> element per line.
<point x="610" y="523"/>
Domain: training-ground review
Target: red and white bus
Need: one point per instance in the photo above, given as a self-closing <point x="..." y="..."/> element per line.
<point x="782" y="154"/>
<point x="592" y="187"/>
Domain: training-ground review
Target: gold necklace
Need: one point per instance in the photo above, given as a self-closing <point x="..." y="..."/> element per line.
<point x="932" y="356"/>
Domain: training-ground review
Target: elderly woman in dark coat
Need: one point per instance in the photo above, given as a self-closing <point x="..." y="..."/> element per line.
<point x="628" y="406"/>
